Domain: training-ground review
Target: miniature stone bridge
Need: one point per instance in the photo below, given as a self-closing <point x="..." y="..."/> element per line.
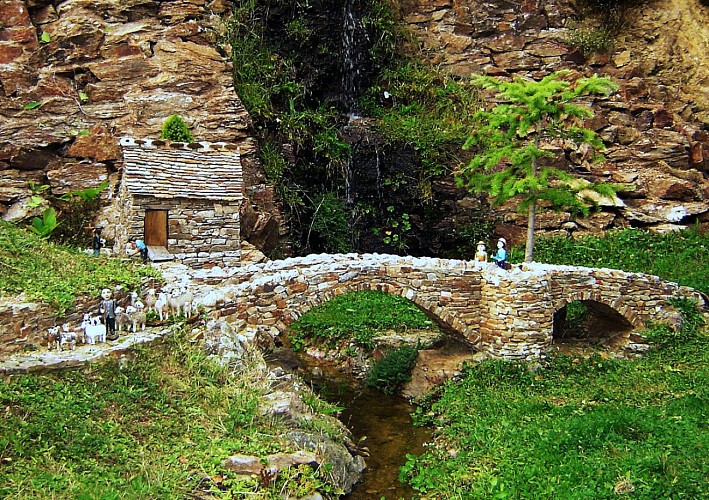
<point x="509" y="314"/>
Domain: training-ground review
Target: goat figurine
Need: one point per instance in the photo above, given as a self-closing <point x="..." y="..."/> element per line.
<point x="53" y="337"/>
<point x="67" y="337"/>
<point x="123" y="320"/>
<point x="136" y="316"/>
<point x="150" y="299"/>
<point x="161" y="306"/>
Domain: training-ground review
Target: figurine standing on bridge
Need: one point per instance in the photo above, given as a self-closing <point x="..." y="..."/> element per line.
<point x="481" y="253"/>
<point x="500" y="257"/>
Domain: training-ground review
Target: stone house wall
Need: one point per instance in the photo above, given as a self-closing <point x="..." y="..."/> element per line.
<point x="200" y="232"/>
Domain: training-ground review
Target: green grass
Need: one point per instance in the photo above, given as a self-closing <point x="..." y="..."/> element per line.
<point x="592" y="428"/>
<point x="57" y="274"/>
<point x="158" y="426"/>
<point x="583" y="428"/>
<point x="358" y="316"/>
<point x="679" y="256"/>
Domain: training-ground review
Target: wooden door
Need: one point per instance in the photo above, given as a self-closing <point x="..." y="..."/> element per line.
<point x="156" y="228"/>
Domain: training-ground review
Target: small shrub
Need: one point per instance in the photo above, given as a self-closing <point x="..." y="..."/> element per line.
<point x="591" y="40"/>
<point x="175" y="129"/>
<point x="393" y="370"/>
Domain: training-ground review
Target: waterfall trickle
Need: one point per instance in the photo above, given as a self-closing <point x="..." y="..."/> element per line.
<point x="353" y="36"/>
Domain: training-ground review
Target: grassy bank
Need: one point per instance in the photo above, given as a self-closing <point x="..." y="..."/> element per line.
<point x="157" y="426"/>
<point x="583" y="428"/>
<point x="593" y="428"/>
<point x="56" y="274"/>
<point x="359" y="316"/>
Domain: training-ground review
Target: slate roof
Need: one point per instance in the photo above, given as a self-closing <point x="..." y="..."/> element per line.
<point x="176" y="170"/>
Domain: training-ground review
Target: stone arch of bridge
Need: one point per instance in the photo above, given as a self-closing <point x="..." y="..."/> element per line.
<point x="615" y="310"/>
<point x="439" y="314"/>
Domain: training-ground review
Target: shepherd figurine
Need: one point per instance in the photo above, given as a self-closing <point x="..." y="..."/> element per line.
<point x="500" y="256"/>
<point x="481" y="253"/>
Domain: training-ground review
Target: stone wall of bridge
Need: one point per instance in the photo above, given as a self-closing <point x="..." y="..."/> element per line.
<point x="508" y="314"/>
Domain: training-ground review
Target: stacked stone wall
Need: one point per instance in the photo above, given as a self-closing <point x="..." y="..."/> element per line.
<point x="200" y="232"/>
<point x="508" y="314"/>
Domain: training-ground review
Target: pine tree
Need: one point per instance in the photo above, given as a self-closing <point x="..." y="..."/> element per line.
<point x="511" y="137"/>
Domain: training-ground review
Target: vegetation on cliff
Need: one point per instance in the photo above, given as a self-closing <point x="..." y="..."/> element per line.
<point x="403" y="118"/>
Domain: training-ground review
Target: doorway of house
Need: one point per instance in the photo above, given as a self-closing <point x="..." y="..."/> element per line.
<point x="156" y="228"/>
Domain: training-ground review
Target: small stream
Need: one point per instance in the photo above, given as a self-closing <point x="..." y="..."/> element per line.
<point x="385" y="424"/>
<point x="379" y="422"/>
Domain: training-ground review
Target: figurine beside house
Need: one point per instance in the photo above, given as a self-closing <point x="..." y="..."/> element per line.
<point x="183" y="200"/>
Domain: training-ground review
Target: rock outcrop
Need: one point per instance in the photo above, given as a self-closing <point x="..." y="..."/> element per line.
<point x="77" y="75"/>
<point x="656" y="127"/>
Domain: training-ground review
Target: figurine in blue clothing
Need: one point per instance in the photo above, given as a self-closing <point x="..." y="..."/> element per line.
<point x="500" y="256"/>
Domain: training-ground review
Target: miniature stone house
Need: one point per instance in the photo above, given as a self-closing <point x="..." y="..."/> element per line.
<point x="183" y="200"/>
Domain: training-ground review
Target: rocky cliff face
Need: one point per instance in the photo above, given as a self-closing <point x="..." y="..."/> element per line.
<point x="77" y="75"/>
<point x="657" y="128"/>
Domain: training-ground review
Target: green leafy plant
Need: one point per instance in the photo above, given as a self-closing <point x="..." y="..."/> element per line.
<point x="395" y="230"/>
<point x="393" y="370"/>
<point x="45" y="37"/>
<point x="88" y="194"/>
<point x="508" y="144"/>
<point x="46" y="224"/>
<point x="175" y="129"/>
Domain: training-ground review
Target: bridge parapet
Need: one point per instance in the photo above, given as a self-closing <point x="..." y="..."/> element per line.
<point x="509" y="314"/>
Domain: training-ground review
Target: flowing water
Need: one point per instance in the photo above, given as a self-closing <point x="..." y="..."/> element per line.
<point x="379" y="422"/>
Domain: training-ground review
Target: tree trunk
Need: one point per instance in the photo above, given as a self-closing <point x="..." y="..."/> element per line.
<point x="529" y="249"/>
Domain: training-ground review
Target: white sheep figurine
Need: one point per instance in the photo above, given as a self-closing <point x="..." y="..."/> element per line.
<point x="95" y="331"/>
<point x="53" y="338"/>
<point x="180" y="302"/>
<point x="161" y="306"/>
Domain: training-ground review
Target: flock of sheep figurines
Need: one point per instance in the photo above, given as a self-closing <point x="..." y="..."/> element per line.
<point x="133" y="317"/>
